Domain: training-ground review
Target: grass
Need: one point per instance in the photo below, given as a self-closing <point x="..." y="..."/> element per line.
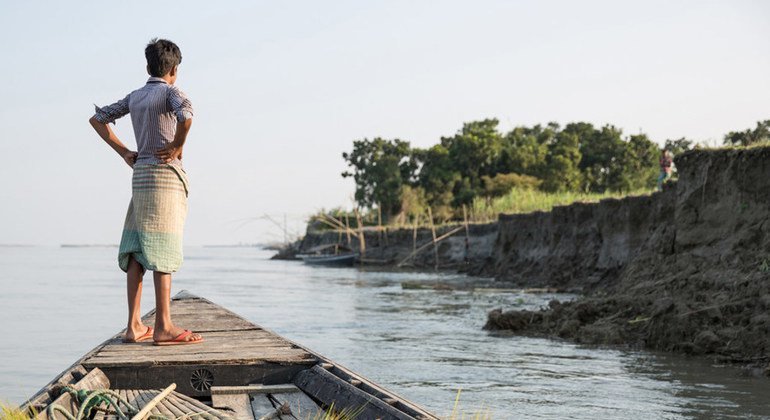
<point x="529" y="200"/>
<point x="332" y="414"/>
<point x="458" y="414"/>
<point x="11" y="412"/>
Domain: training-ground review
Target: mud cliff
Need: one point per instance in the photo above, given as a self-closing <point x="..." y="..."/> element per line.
<point x="581" y="246"/>
<point x="685" y="270"/>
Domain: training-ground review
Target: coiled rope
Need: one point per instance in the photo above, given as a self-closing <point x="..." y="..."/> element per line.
<point x="102" y="400"/>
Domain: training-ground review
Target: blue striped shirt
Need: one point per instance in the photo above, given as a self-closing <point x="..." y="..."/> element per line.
<point x="155" y="110"/>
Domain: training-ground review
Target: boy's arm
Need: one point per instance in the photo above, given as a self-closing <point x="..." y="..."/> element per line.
<point x="174" y="149"/>
<point x="100" y="122"/>
<point x="106" y="133"/>
<point x="182" y="108"/>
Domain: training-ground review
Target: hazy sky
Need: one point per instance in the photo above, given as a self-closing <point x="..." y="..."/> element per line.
<point x="280" y="89"/>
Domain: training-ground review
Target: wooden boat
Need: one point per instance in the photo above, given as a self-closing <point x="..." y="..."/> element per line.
<point x="240" y="371"/>
<point x="333" y="254"/>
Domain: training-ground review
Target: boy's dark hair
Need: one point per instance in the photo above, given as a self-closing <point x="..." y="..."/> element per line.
<point x="162" y="55"/>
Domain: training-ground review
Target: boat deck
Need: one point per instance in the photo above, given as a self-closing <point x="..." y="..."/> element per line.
<point x="228" y="338"/>
<point x="244" y="369"/>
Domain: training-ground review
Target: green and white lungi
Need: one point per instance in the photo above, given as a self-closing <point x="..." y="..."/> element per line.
<point x="152" y="233"/>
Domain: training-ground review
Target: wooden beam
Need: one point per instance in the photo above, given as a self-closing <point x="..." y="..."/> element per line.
<point x="329" y="389"/>
<point x="254" y="389"/>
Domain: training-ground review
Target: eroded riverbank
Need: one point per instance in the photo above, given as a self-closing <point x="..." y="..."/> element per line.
<point x="685" y="270"/>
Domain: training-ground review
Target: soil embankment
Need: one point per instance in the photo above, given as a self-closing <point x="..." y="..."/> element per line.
<point x="392" y="246"/>
<point x="692" y="274"/>
<point x="580" y="247"/>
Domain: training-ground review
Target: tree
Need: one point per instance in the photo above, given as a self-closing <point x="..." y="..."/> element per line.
<point x="600" y="150"/>
<point x="522" y="151"/>
<point x="437" y="177"/>
<point x="761" y="133"/>
<point x="639" y="163"/>
<point x="678" y="146"/>
<point x="473" y="153"/>
<point x="380" y="169"/>
<point x="561" y="170"/>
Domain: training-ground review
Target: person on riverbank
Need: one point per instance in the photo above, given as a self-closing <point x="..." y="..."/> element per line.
<point x="161" y="115"/>
<point x="666" y="164"/>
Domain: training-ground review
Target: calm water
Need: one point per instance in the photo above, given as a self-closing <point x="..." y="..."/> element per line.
<point x="58" y="303"/>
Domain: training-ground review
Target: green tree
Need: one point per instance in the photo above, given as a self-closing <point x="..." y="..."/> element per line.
<point x="561" y="170"/>
<point x="437" y="177"/>
<point x="600" y="150"/>
<point x="678" y="146"/>
<point x="473" y="153"/>
<point x="523" y="151"/>
<point x="760" y="133"/>
<point x="380" y="169"/>
<point x="638" y="164"/>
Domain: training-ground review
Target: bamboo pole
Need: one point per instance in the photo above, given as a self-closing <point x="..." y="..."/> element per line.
<point x="347" y="227"/>
<point x="467" y="234"/>
<point x="361" y="238"/>
<point x="433" y="232"/>
<point x="427" y="244"/>
<point x="379" y="224"/>
<point x="158" y="398"/>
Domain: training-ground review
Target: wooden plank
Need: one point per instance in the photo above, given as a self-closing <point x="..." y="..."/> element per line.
<point x="270" y="355"/>
<point x="302" y="407"/>
<point x="179" y="405"/>
<point x="244" y="345"/>
<point x="94" y="379"/>
<point x="140" y="399"/>
<point x="221" y="340"/>
<point x="168" y="405"/>
<point x="329" y="389"/>
<point x="131" y="396"/>
<point x="165" y="411"/>
<point x="214" y="345"/>
<point x="275" y="355"/>
<point x="159" y="376"/>
<point x="202" y="315"/>
<point x="371" y="388"/>
<point x="261" y="405"/>
<point x="239" y="404"/>
<point x="253" y="389"/>
<point x="192" y="402"/>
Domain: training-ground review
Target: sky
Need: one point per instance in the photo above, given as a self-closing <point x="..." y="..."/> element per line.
<point x="281" y="89"/>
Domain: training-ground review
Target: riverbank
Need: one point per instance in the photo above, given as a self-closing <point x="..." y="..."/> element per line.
<point x="682" y="270"/>
<point x="697" y="284"/>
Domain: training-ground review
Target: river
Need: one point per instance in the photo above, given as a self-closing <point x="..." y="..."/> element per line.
<point x="425" y="344"/>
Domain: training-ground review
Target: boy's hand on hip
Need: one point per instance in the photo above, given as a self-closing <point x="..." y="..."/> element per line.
<point x="130" y="158"/>
<point x="169" y="153"/>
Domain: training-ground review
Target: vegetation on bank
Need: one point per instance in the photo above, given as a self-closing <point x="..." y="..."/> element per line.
<point x="523" y="200"/>
<point x="483" y="171"/>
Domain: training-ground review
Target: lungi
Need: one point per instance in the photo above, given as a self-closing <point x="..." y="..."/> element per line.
<point x="154" y="224"/>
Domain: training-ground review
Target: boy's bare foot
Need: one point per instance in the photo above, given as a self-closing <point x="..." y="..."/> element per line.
<point x="175" y="335"/>
<point x="135" y="334"/>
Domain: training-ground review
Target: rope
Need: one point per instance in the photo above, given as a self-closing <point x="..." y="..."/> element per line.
<point x="91" y="401"/>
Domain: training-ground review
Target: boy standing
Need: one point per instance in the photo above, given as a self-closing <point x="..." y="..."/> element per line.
<point x="161" y="116"/>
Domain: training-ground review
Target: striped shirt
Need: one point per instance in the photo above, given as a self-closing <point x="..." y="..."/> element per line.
<point x="155" y="110"/>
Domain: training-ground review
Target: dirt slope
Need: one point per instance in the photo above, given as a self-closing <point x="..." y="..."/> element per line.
<point x="700" y="280"/>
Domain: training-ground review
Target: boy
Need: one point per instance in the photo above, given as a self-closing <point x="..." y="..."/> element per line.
<point x="152" y="234"/>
